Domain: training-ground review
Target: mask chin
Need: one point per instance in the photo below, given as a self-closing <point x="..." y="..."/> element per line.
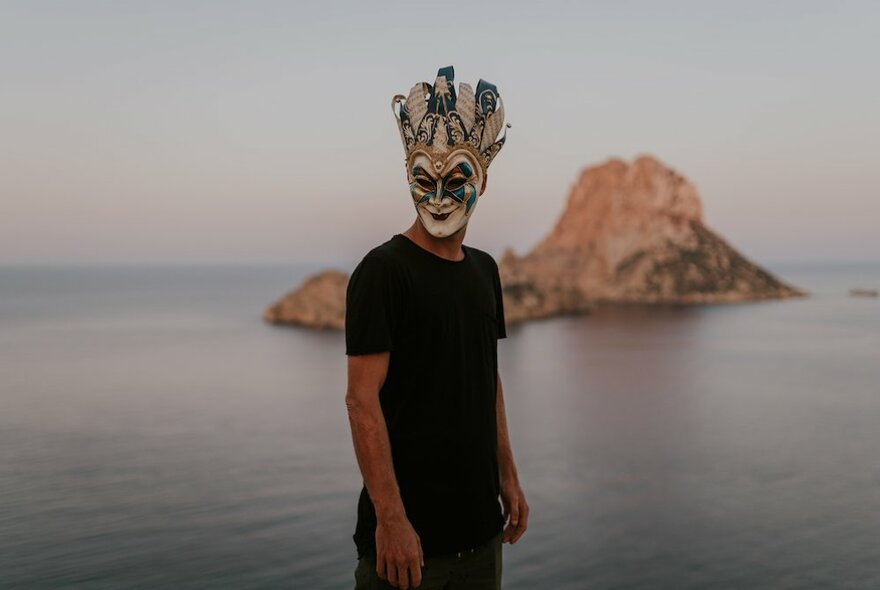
<point x="443" y="228"/>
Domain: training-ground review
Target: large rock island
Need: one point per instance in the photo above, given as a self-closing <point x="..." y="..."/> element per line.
<point x="630" y="233"/>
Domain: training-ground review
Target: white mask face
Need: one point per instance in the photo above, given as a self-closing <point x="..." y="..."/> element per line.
<point x="444" y="191"/>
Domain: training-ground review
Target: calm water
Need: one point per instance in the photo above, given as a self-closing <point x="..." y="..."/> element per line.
<point x="154" y="433"/>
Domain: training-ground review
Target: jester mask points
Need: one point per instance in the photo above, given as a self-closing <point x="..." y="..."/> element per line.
<point x="450" y="138"/>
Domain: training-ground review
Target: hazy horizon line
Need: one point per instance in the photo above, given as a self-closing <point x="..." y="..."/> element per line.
<point x="329" y="263"/>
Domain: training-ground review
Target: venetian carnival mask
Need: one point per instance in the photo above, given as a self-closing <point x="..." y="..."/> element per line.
<point x="450" y="140"/>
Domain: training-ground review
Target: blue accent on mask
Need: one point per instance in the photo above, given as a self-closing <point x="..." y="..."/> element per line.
<point x="458" y="194"/>
<point x="471" y="200"/>
<point x="487" y="97"/>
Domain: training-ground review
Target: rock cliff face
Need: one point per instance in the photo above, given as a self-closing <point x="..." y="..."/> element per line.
<point x="630" y="233"/>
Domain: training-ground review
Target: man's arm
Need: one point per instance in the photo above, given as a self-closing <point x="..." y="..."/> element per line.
<point x="516" y="510"/>
<point x="398" y="550"/>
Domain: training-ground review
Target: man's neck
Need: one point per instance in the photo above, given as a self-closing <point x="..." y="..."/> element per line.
<point x="448" y="247"/>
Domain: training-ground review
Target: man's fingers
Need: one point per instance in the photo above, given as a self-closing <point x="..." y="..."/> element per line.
<point x="523" y="514"/>
<point x="392" y="574"/>
<point x="380" y="568"/>
<point x="514" y="513"/>
<point x="403" y="578"/>
<point x="523" y="524"/>
<point x="518" y="521"/>
<point x="421" y="558"/>
<point x="409" y="576"/>
<point x="509" y="532"/>
<point x="509" y="512"/>
<point x="415" y="575"/>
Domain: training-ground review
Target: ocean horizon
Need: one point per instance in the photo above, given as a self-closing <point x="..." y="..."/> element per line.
<point x="156" y="433"/>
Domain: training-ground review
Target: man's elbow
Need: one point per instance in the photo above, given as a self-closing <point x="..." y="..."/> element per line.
<point x="352" y="404"/>
<point x="359" y="407"/>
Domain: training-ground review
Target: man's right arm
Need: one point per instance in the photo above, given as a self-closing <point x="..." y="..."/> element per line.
<point x="398" y="550"/>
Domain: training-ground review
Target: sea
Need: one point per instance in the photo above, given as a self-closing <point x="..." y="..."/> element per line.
<point x="155" y="433"/>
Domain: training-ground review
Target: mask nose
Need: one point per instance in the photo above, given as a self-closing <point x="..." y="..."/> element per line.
<point x="437" y="198"/>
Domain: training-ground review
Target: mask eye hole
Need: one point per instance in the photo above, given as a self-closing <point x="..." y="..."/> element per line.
<point x="425" y="182"/>
<point x="455" y="183"/>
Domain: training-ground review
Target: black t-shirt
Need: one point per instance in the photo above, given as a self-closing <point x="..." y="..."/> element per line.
<point x="441" y="320"/>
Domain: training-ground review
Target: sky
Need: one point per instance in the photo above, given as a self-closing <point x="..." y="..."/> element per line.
<point x="248" y="132"/>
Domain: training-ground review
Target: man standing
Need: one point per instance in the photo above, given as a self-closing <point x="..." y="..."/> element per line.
<point x="425" y="402"/>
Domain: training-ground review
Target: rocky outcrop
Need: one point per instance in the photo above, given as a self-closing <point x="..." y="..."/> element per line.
<point x="634" y="233"/>
<point x="318" y="303"/>
<point x="530" y="295"/>
<point x="630" y="233"/>
<point x="864" y="292"/>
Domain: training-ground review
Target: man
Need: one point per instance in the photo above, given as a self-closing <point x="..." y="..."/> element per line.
<point x="425" y="402"/>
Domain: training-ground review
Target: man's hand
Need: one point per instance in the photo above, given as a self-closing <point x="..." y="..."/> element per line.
<point x="399" y="558"/>
<point x="516" y="511"/>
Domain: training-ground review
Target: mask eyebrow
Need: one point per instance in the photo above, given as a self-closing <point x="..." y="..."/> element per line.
<point x="419" y="170"/>
<point x="461" y="168"/>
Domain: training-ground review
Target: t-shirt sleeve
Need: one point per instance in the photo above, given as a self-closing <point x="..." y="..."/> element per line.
<point x="499" y="303"/>
<point x="371" y="307"/>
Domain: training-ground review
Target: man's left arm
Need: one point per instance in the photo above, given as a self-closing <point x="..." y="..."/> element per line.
<point x="513" y="501"/>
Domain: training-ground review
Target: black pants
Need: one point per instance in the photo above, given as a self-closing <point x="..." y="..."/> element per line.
<point x="479" y="570"/>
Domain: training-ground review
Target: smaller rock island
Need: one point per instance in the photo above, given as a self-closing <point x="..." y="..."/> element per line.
<point x="318" y="303"/>
<point x="859" y="292"/>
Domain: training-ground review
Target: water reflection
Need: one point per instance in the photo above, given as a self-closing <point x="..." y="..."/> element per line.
<point x="673" y="448"/>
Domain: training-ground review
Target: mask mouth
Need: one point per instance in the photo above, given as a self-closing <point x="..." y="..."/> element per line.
<point x="440" y="216"/>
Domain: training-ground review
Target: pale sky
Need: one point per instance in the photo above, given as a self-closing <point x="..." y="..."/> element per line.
<point x="157" y="132"/>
